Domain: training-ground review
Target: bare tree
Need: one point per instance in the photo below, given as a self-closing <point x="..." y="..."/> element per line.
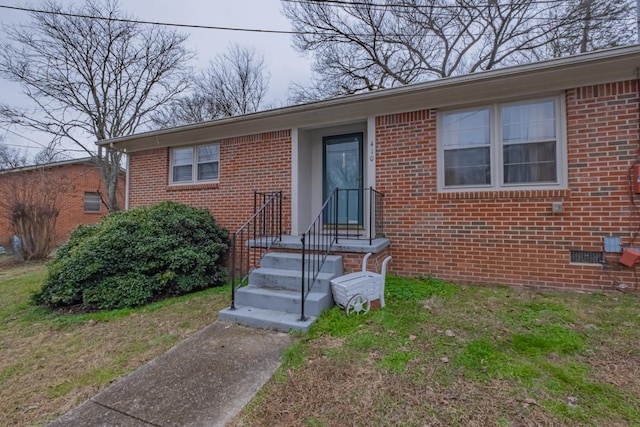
<point x="193" y="108"/>
<point x="11" y="158"/>
<point x="238" y="80"/>
<point x="235" y="83"/>
<point x="92" y="74"/>
<point x="31" y="198"/>
<point x="365" y="45"/>
<point x="589" y="25"/>
<point x="47" y="155"/>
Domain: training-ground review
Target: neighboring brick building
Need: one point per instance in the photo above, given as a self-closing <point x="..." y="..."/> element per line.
<point x="80" y="201"/>
<point x="512" y="176"/>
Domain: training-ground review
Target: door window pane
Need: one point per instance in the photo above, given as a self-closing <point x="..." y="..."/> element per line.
<point x="342" y="165"/>
<point x="343" y="170"/>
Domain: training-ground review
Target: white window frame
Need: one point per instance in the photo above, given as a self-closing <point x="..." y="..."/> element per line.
<point x="92" y="194"/>
<point x="496" y="149"/>
<point x="194" y="165"/>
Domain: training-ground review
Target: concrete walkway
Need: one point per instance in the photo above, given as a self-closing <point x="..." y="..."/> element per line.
<point x="203" y="381"/>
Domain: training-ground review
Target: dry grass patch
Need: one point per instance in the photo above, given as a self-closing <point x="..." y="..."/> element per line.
<point x="445" y="355"/>
<point x="51" y="362"/>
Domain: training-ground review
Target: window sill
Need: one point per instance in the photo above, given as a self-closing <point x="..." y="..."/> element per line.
<point x="506" y="194"/>
<point x="187" y="187"/>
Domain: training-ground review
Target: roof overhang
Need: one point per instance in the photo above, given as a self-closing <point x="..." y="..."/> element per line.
<point x="521" y="81"/>
<point x="82" y="160"/>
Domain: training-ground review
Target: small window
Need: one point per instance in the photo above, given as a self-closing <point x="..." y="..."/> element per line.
<point x="92" y="202"/>
<point x="195" y="164"/>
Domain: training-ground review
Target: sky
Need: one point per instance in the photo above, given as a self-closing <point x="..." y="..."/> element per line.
<point x="282" y="61"/>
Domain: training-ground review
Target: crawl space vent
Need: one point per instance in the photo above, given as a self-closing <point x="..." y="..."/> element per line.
<point x="587" y="257"/>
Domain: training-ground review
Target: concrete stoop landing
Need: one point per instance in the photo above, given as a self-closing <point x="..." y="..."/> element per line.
<point x="271" y="300"/>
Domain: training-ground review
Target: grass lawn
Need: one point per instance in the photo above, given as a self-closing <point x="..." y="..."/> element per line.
<point x="445" y="355"/>
<point x="51" y="362"/>
<point x="438" y="354"/>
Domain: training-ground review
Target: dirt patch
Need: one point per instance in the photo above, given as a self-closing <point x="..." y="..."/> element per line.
<point x="621" y="369"/>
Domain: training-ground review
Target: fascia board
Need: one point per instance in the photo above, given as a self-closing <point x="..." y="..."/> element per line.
<point x="522" y="81"/>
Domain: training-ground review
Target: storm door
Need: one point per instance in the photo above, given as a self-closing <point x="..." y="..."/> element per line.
<point x="342" y="162"/>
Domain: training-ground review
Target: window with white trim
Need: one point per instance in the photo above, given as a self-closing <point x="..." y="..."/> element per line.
<point x="502" y="146"/>
<point x="200" y="163"/>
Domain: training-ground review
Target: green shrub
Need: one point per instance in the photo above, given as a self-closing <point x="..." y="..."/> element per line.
<point x="134" y="257"/>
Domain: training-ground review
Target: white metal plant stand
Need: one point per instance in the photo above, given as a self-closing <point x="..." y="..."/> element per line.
<point x="355" y="291"/>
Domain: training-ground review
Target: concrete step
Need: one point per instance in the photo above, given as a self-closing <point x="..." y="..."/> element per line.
<point x="283" y="300"/>
<point x="266" y="319"/>
<point x="272" y="298"/>
<point x="293" y="261"/>
<point x="288" y="279"/>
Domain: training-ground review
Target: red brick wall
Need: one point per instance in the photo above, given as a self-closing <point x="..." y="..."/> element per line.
<point x="511" y="237"/>
<point x="259" y="162"/>
<point x="353" y="261"/>
<point x="506" y="237"/>
<point x="81" y="178"/>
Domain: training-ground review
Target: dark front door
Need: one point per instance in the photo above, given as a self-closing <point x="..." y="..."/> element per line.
<point x="343" y="170"/>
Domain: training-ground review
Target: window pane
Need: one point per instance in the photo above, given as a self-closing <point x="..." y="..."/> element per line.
<point x="208" y="171"/>
<point x="466" y="128"/>
<point x="530" y="163"/>
<point x="471" y="166"/>
<point x="182" y="156"/>
<point x="92" y="202"/>
<point x="208" y="153"/>
<point x="183" y="173"/>
<point x="529" y="122"/>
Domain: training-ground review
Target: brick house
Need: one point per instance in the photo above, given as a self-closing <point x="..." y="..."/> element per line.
<point x="80" y="200"/>
<point x="514" y="176"/>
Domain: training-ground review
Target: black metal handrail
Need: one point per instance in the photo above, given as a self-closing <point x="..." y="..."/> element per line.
<point x="354" y="204"/>
<point x="326" y="229"/>
<point x="254" y="238"/>
<point x="376" y="220"/>
<point x="317" y="241"/>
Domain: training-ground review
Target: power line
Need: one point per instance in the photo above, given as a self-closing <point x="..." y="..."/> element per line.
<point x="343" y="4"/>
<point x="39" y="145"/>
<point x="136" y="21"/>
<point x="452" y="10"/>
<point x="21" y="136"/>
<point x="352" y="4"/>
